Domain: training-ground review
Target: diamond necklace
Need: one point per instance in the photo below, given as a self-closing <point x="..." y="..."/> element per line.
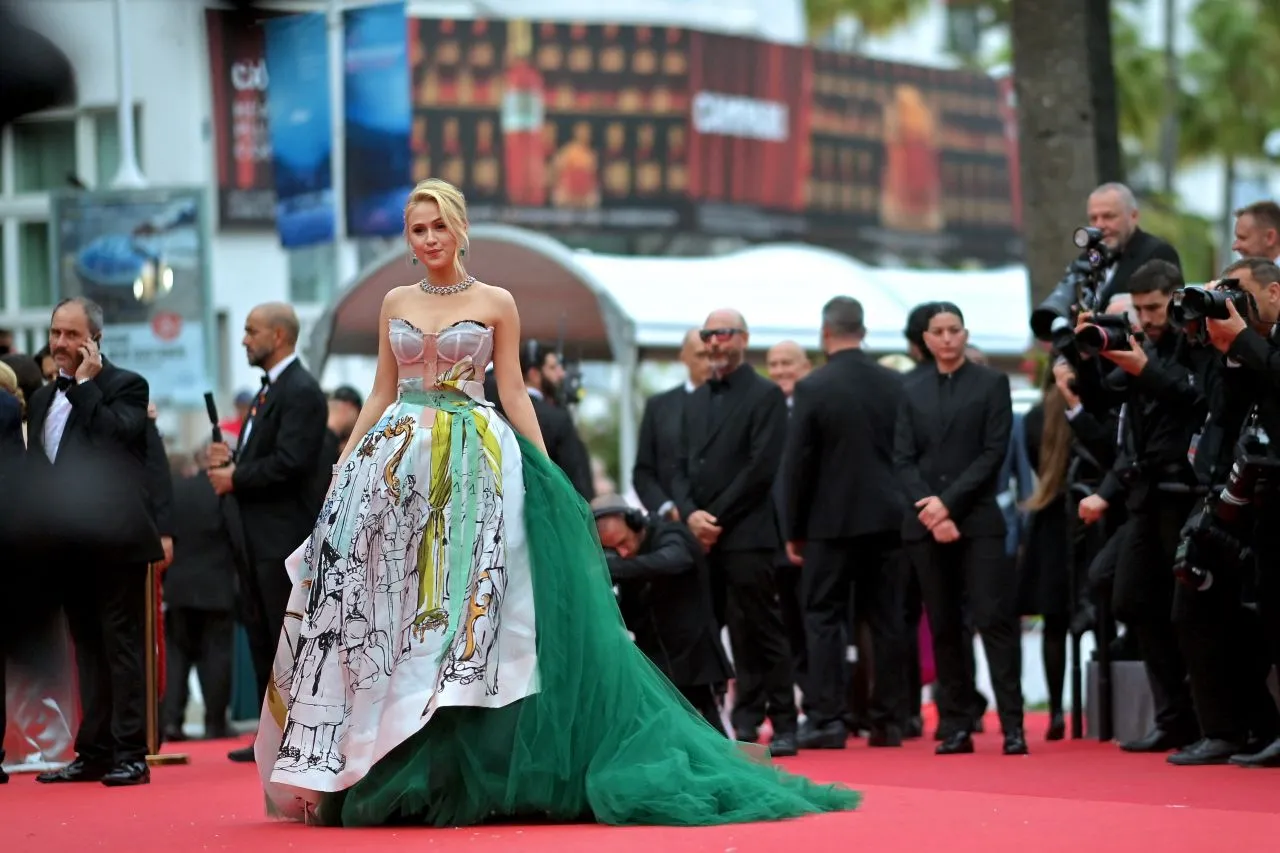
<point x="449" y="289"/>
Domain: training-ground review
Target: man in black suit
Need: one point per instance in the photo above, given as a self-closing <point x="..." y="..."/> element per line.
<point x="199" y="593"/>
<point x="1114" y="210"/>
<point x="735" y="426"/>
<point x="272" y="478"/>
<point x="662" y="430"/>
<point x="87" y="455"/>
<point x="844" y="513"/>
<point x="664" y="588"/>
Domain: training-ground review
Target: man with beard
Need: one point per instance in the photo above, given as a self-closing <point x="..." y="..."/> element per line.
<point x="543" y="376"/>
<point x="272" y="477"/>
<point x="735" y="429"/>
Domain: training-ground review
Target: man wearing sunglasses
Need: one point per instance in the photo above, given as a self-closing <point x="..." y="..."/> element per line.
<point x="735" y="428"/>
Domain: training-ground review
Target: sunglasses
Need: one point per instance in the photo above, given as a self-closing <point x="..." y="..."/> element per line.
<point x="718" y="334"/>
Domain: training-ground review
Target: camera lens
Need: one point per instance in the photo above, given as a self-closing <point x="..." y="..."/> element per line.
<point x="1092" y="339"/>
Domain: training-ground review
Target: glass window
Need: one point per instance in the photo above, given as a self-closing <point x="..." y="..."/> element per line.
<point x="44" y="154"/>
<point x="35" y="279"/>
<point x="106" y="139"/>
<point x="312" y="271"/>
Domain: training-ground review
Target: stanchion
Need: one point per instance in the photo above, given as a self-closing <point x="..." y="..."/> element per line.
<point x="154" y="757"/>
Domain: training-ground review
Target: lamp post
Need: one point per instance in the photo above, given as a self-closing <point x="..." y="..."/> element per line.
<point x="128" y="175"/>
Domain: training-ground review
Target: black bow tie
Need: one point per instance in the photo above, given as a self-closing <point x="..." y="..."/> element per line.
<point x="64" y="382"/>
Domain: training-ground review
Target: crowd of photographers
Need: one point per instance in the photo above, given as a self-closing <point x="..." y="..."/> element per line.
<point x="1171" y="392"/>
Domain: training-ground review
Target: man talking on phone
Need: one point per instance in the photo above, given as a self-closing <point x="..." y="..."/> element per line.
<point x="87" y="452"/>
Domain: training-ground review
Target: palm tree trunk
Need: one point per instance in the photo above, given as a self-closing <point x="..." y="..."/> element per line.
<point x="1057" y="145"/>
<point x="1227" y="225"/>
<point x="1106" y="105"/>
<point x="1169" y="128"/>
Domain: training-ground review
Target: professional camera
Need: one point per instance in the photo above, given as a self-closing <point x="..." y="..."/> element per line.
<point x="1211" y="536"/>
<point x="1193" y="305"/>
<point x="1078" y="289"/>
<point x="571" y="389"/>
<point x="1104" y="333"/>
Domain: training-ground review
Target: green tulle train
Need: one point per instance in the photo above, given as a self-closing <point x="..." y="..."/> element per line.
<point x="607" y="738"/>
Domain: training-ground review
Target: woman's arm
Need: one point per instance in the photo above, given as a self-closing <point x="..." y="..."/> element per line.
<point x="384" y="383"/>
<point x="506" y="369"/>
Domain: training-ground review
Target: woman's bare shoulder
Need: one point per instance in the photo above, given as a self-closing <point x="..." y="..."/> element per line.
<point x="499" y="297"/>
<point x="396" y="295"/>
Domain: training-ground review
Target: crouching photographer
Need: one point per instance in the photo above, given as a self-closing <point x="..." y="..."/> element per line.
<point x="1248" y="509"/>
<point x="664" y="592"/>
<point x="1156" y="382"/>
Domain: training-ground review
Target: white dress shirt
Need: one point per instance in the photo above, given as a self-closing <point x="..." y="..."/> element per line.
<point x="55" y="423"/>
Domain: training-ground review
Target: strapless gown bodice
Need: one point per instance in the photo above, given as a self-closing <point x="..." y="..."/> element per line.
<point x="454" y="357"/>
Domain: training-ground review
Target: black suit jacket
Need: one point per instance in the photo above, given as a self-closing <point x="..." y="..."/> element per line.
<point x="202" y="576"/>
<point x="658" y="447"/>
<point x="840" y="479"/>
<point x="1142" y="247"/>
<point x="665" y="599"/>
<point x="950" y="441"/>
<point x="564" y="445"/>
<point x="99" y="483"/>
<point x="728" y="463"/>
<point x="274" y="480"/>
<point x="159" y="481"/>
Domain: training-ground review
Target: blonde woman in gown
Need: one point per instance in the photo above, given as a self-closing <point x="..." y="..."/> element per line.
<point x="452" y="652"/>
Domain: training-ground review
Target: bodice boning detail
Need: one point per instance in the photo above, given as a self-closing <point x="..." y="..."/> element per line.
<point x="454" y="357"/>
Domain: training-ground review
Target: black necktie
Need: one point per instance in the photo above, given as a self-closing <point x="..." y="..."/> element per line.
<point x="64" y="382"/>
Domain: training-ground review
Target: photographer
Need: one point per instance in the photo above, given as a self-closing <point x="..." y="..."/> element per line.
<point x="1159" y="385"/>
<point x="665" y="598"/>
<point x="1253" y="375"/>
<point x="1113" y="248"/>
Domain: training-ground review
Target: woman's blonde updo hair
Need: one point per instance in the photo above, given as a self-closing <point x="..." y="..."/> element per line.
<point x="9" y="383"/>
<point x="453" y="210"/>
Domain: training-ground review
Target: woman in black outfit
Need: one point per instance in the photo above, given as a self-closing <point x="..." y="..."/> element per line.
<point x="951" y="440"/>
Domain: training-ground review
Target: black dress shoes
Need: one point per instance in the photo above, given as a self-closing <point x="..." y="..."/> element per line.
<point x="958" y="743"/>
<point x="1057" y="727"/>
<point x="831" y="736"/>
<point x="1157" y="740"/>
<point x="915" y="728"/>
<point x="127" y="773"/>
<point x="888" y="736"/>
<point x="243" y="755"/>
<point x="784" y="745"/>
<point x="1268" y="757"/>
<point x="1204" y="752"/>
<point x="1015" y="742"/>
<point x="76" y="771"/>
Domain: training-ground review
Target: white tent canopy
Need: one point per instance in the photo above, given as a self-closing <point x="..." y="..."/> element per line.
<point x="624" y="308"/>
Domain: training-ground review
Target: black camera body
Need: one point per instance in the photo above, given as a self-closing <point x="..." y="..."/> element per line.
<point x="1193" y="305"/>
<point x="1078" y="289"/>
<point x="1212" y="536"/>
<point x="571" y="389"/>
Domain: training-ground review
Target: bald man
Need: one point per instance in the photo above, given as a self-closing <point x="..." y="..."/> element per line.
<point x="661" y="426"/>
<point x="735" y="429"/>
<point x="787" y="363"/>
<point x="272" y="477"/>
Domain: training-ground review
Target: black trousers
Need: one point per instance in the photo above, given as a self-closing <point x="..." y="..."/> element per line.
<point x="1266" y="544"/>
<point x="787" y="578"/>
<point x="705" y="699"/>
<point x="1142" y="598"/>
<point x="106" y="607"/>
<point x="765" y="682"/>
<point x="262" y="602"/>
<point x="203" y="639"/>
<point x="870" y="566"/>
<point x="976" y="571"/>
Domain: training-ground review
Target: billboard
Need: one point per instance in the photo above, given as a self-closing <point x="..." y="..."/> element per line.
<point x="142" y="256"/>
<point x="241" y="140"/>
<point x="909" y="161"/>
<point x="298" y="112"/>
<point x="377" y="119"/>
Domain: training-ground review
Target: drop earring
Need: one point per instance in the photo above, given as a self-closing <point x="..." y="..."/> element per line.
<point x="413" y="259"/>
<point x="462" y="253"/>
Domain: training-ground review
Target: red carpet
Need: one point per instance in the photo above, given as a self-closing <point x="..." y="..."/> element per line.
<point x="1074" y="797"/>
